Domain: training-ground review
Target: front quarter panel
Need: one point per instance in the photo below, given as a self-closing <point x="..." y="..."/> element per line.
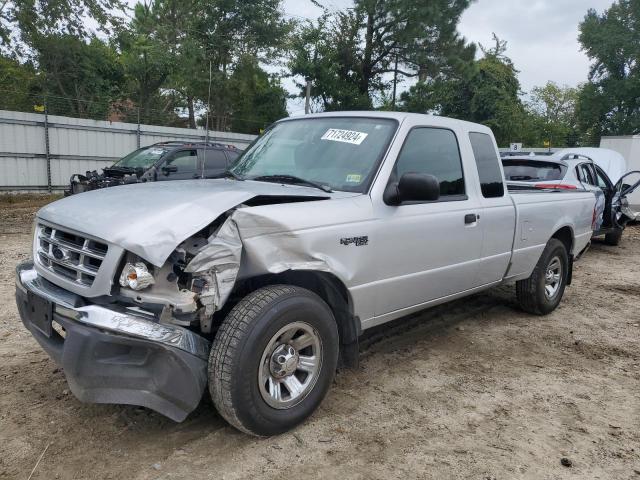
<point x="333" y="236"/>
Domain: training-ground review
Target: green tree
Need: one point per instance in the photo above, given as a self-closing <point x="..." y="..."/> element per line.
<point x="257" y="99"/>
<point x="349" y="55"/>
<point x="78" y="78"/>
<point x="486" y="92"/>
<point x="328" y="53"/>
<point x="147" y="65"/>
<point x="19" y="86"/>
<point x="25" y="22"/>
<point x="610" y="103"/>
<point x="169" y="46"/>
<point x="224" y="31"/>
<point x="553" y="111"/>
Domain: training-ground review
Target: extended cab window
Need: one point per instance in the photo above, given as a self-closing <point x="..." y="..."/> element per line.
<point x="488" y="164"/>
<point x="433" y="151"/>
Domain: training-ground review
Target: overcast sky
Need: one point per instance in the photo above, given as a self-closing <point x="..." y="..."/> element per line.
<point x="542" y="35"/>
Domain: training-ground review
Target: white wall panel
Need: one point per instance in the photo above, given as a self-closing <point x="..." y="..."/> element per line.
<point x="77" y="145"/>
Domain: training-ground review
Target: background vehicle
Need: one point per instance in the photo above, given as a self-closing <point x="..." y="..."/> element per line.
<point x="598" y="170"/>
<point x="260" y="283"/>
<point x="629" y="147"/>
<point x="160" y="162"/>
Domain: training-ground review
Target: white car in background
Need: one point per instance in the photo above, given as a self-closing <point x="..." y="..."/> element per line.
<point x="599" y="170"/>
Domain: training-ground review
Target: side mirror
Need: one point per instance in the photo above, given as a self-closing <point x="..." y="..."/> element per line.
<point x="169" y="169"/>
<point x="413" y="187"/>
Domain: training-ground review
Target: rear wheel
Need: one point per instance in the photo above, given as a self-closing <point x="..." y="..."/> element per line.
<point x="614" y="237"/>
<point x="541" y="293"/>
<point x="273" y="359"/>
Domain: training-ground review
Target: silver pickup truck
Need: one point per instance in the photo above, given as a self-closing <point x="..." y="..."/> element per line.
<point x="260" y="283"/>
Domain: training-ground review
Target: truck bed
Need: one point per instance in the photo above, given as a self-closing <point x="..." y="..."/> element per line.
<point x="541" y="212"/>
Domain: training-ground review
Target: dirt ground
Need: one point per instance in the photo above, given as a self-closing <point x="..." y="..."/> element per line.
<point x="471" y="390"/>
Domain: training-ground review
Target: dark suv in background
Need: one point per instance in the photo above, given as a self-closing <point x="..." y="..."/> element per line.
<point x="160" y="162"/>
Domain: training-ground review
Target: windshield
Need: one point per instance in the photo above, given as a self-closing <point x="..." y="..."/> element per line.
<point x="142" y="158"/>
<point x="341" y="153"/>
<point x="532" y="171"/>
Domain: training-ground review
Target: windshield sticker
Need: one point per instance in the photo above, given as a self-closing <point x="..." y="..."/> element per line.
<point x="345" y="136"/>
<point x="156" y="151"/>
<point x="354" y="178"/>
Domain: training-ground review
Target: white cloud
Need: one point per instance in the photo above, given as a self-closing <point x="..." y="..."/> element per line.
<point x="542" y="36"/>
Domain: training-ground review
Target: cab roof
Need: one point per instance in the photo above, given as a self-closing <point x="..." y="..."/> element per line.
<point x="401" y="117"/>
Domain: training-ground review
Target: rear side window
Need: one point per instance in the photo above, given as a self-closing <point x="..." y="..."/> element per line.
<point x="585" y="174"/>
<point x="433" y="151"/>
<point x="488" y="165"/>
<point x="532" y="170"/>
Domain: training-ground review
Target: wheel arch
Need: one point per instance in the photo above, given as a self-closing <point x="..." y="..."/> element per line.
<point x="566" y="236"/>
<point x="333" y="292"/>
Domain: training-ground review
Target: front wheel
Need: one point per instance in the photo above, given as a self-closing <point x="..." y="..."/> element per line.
<point x="541" y="293"/>
<point x="273" y="359"/>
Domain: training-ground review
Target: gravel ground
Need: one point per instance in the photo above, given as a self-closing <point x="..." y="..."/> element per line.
<point x="475" y="389"/>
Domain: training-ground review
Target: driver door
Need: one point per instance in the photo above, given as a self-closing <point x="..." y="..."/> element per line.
<point x="428" y="250"/>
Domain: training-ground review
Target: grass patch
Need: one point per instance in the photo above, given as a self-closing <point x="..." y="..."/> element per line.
<point x="27" y="199"/>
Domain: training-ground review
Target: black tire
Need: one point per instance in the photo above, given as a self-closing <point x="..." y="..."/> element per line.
<point x="237" y="353"/>
<point x="531" y="293"/>
<point x="614" y="238"/>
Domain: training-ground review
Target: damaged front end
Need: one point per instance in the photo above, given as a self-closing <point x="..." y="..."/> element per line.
<point x="148" y="343"/>
<point x="140" y="333"/>
<point x="195" y="281"/>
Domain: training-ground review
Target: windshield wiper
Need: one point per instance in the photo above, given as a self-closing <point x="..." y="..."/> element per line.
<point x="292" y="179"/>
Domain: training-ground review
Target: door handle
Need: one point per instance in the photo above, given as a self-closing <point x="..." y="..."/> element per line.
<point x="471" y="218"/>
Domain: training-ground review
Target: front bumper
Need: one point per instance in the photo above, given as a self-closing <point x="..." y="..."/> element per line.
<point x="116" y="355"/>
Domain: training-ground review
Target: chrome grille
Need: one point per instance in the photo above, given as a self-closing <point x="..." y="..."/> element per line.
<point x="68" y="255"/>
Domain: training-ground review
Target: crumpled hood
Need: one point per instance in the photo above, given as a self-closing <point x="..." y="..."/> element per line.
<point x="152" y="219"/>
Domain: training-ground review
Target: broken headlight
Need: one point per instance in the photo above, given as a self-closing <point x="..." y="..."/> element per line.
<point x="136" y="276"/>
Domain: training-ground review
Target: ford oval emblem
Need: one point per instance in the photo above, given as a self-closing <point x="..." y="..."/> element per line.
<point x="58" y="254"/>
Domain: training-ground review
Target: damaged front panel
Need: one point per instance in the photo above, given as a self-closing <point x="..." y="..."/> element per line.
<point x="254" y="241"/>
<point x="214" y="269"/>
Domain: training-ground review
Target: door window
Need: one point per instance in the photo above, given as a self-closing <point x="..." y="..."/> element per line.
<point x="215" y="160"/>
<point x="185" y="161"/>
<point x="602" y="183"/>
<point x="433" y="151"/>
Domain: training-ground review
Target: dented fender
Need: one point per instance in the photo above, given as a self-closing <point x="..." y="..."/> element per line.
<point x="255" y="241"/>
